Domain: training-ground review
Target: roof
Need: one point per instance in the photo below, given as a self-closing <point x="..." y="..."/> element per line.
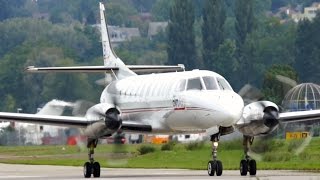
<point x="156" y="27"/>
<point x="304" y="96"/>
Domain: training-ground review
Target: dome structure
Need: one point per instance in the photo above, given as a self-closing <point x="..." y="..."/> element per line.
<point x="303" y="97"/>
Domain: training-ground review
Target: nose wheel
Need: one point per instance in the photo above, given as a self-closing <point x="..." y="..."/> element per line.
<point x="248" y="164"/>
<point x="215" y="166"/>
<point x="92" y="167"/>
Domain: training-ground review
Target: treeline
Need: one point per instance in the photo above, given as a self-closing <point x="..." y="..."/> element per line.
<point x="41" y="43"/>
<point x="246" y="46"/>
<point x="234" y="38"/>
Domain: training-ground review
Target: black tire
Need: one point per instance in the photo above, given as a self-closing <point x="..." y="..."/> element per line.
<point x="243" y="167"/>
<point x="96" y="169"/>
<point x="87" y="170"/>
<point x="211" y="168"/>
<point x="219" y="168"/>
<point x="252" y="167"/>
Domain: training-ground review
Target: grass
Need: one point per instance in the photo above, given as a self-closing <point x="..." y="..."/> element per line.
<point x="275" y="154"/>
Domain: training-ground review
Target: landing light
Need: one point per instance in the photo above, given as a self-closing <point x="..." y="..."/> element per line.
<point x="215" y="144"/>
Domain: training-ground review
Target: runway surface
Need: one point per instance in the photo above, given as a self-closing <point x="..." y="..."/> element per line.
<point x="19" y="172"/>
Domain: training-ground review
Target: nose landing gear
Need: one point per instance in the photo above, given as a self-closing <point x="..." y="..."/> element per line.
<point x="215" y="166"/>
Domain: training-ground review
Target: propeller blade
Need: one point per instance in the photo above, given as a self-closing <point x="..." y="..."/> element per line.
<point x="54" y="107"/>
<point x="285" y="80"/>
<point x="250" y="93"/>
<point x="81" y="107"/>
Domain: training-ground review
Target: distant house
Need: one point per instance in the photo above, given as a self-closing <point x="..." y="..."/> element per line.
<point x="156" y="27"/>
<point x="309" y="13"/>
<point x="120" y="34"/>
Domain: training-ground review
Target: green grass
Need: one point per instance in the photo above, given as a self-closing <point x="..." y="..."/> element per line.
<point x="275" y="154"/>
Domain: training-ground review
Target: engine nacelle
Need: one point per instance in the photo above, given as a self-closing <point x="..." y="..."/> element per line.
<point x="259" y="118"/>
<point x="105" y="120"/>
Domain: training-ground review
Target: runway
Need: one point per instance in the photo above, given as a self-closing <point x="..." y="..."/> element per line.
<point x="19" y="172"/>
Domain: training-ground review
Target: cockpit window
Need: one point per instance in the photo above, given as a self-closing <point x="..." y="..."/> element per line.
<point x="210" y="83"/>
<point x="194" y="84"/>
<point x="223" y="84"/>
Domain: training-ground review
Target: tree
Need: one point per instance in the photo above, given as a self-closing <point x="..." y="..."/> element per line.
<point x="214" y="16"/>
<point x="225" y="62"/>
<point x="244" y="20"/>
<point x="5" y="10"/>
<point x="181" y="37"/>
<point x="244" y="26"/>
<point x="273" y="89"/>
<point x="9" y="104"/>
<point x="161" y="10"/>
<point x="143" y="5"/>
<point x="307" y="56"/>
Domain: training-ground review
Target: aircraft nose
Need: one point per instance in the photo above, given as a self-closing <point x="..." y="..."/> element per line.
<point x="233" y="107"/>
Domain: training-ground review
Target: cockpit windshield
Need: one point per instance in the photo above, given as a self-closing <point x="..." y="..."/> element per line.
<point x="223" y="84"/>
<point x="210" y="83"/>
<point x="194" y="84"/>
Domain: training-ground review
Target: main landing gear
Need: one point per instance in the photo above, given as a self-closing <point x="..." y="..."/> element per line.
<point x="215" y="166"/>
<point x="247" y="164"/>
<point x="91" y="167"/>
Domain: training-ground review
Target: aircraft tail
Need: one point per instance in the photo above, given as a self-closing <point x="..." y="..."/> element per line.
<point x="110" y="59"/>
<point x="114" y="68"/>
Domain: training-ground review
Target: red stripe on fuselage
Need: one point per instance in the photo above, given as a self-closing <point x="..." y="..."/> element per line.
<point x="140" y="110"/>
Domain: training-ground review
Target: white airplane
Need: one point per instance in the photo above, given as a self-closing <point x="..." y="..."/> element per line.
<point x="166" y="103"/>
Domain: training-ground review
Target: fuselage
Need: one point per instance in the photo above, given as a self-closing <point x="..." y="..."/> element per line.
<point x="179" y="102"/>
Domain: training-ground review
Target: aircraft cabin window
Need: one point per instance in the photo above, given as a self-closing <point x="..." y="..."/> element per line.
<point x="223" y="84"/>
<point x="194" y="84"/>
<point x="210" y="83"/>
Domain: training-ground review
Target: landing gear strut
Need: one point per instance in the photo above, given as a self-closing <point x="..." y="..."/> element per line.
<point x="91" y="167"/>
<point x="247" y="164"/>
<point x="215" y="166"/>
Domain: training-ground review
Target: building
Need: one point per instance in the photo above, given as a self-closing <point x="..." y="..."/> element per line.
<point x="308" y="13"/>
<point x="156" y="27"/>
<point x="120" y="34"/>
<point x="302" y="97"/>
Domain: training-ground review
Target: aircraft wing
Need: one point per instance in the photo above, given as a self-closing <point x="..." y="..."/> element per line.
<point x="300" y="116"/>
<point x="67" y="121"/>
<point x="72" y="69"/>
<point x="99" y="69"/>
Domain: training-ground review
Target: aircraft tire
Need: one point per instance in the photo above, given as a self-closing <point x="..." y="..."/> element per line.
<point x="87" y="170"/>
<point x="96" y="169"/>
<point x="243" y="167"/>
<point x="252" y="167"/>
<point x="219" y="168"/>
<point x="211" y="168"/>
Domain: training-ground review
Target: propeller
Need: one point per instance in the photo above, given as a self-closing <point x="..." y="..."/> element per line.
<point x="271" y="118"/>
<point x="111" y="116"/>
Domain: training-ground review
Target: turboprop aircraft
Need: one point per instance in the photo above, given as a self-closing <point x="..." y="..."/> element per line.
<point x="165" y="103"/>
